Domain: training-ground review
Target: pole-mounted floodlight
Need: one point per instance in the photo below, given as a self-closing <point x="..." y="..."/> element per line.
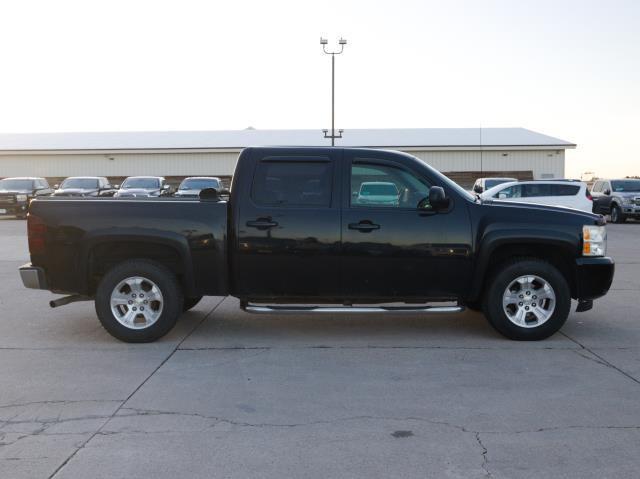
<point x="342" y="42"/>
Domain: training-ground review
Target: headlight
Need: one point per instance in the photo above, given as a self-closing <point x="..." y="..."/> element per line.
<point x="594" y="240"/>
<point x="21" y="198"/>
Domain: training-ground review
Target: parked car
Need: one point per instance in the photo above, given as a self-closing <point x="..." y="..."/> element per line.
<point x="85" y="186"/>
<point x="378" y="193"/>
<point x="143" y="186"/>
<point x="192" y="186"/>
<point x="16" y="193"/>
<point x="483" y="184"/>
<point x="618" y="198"/>
<point x="292" y="233"/>
<point x="570" y="194"/>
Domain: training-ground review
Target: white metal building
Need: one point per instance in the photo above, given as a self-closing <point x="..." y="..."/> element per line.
<point x="462" y="153"/>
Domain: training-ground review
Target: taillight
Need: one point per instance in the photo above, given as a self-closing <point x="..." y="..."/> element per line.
<point x="36" y="230"/>
<point x="588" y="193"/>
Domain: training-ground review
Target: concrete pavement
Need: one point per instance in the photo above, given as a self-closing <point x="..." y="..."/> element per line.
<point x="227" y="394"/>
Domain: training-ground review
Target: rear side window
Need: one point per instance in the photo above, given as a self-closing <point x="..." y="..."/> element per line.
<point x="564" y="190"/>
<point x="292" y="183"/>
<point x="597" y="187"/>
<point x="533" y="190"/>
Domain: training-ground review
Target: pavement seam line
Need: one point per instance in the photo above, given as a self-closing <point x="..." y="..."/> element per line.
<point x="162" y="363"/>
<point x="601" y="360"/>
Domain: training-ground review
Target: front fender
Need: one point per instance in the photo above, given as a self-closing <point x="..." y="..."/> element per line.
<point x="497" y="236"/>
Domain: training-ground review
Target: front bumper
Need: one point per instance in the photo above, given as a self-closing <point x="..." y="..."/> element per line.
<point x="13" y="209"/>
<point x="593" y="277"/>
<point x="631" y="210"/>
<point x="33" y="277"/>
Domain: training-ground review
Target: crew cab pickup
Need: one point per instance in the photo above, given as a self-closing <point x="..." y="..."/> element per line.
<point x="294" y="237"/>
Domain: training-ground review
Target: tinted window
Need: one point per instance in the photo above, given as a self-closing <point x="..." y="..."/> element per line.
<point x="514" y="191"/>
<point x="199" y="184"/>
<point x="80" y="183"/>
<point x="292" y="183"/>
<point x="620" y="186"/>
<point x="385" y="186"/>
<point x="150" y="183"/>
<point x="564" y="190"/>
<point x="496" y="182"/>
<point x="9" y="184"/>
<point x="536" y="190"/>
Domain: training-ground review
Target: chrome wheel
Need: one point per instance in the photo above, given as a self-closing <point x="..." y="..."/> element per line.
<point x="529" y="301"/>
<point x="136" y="302"/>
<point x="614" y="214"/>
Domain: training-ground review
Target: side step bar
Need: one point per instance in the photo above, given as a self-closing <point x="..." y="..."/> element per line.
<point x="252" y="308"/>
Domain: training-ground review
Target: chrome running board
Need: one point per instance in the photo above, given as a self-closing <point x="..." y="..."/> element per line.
<point x="275" y="309"/>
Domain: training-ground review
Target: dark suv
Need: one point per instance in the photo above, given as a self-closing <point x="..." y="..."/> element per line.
<point x="85" y="186"/>
<point x="15" y="194"/>
<point x="618" y="198"/>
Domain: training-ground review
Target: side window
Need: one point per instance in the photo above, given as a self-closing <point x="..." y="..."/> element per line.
<point x="597" y="187"/>
<point x="564" y="190"/>
<point x="292" y="183"/>
<point x="514" y="191"/>
<point x="382" y="185"/>
<point x="533" y="190"/>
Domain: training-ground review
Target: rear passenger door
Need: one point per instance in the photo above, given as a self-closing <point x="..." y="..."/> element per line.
<point x="288" y="227"/>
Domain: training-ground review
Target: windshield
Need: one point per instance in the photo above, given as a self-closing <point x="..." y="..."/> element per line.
<point x="80" y="183"/>
<point x="496" y="182"/>
<point x="199" y="184"/>
<point x="621" y="186"/>
<point x="388" y="189"/>
<point x="149" y="183"/>
<point x="16" y="184"/>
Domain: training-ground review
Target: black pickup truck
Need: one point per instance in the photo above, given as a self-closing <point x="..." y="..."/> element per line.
<point x="320" y="230"/>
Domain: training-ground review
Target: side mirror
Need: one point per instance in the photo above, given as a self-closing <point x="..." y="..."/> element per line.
<point x="56" y="186"/>
<point x="116" y="187"/>
<point x="478" y="189"/>
<point x="607" y="192"/>
<point x="209" y="194"/>
<point x="436" y="200"/>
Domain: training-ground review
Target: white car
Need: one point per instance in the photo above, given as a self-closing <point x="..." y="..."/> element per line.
<point x="379" y="193"/>
<point x="570" y="194"/>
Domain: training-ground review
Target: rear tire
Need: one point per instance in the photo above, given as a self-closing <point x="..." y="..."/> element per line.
<point x="190" y="303"/>
<point x="528" y="299"/>
<point x="138" y="301"/>
<point x="616" y="215"/>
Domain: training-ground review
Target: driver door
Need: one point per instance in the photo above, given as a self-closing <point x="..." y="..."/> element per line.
<point x="391" y="249"/>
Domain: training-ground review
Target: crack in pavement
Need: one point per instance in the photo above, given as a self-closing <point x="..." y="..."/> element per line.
<point x="162" y="363"/>
<point x="485" y="460"/>
<point x="600" y="360"/>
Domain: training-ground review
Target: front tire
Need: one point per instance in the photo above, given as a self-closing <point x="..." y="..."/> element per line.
<point x="138" y="301"/>
<point x="616" y="215"/>
<point x="528" y="300"/>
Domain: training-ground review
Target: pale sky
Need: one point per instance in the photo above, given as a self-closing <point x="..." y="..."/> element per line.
<point x="569" y="69"/>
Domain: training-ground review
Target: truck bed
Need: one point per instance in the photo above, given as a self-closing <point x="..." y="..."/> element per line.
<point x="84" y="237"/>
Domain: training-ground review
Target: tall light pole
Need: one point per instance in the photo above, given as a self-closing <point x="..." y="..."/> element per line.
<point x="342" y="42"/>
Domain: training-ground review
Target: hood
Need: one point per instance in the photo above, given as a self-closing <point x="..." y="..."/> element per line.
<point x="134" y="192"/>
<point x="626" y="194"/>
<point x="187" y="193"/>
<point x="16" y="192"/>
<point x="74" y="191"/>
<point x="556" y="210"/>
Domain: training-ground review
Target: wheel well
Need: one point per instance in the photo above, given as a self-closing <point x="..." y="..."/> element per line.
<point x="105" y="256"/>
<point x="561" y="258"/>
